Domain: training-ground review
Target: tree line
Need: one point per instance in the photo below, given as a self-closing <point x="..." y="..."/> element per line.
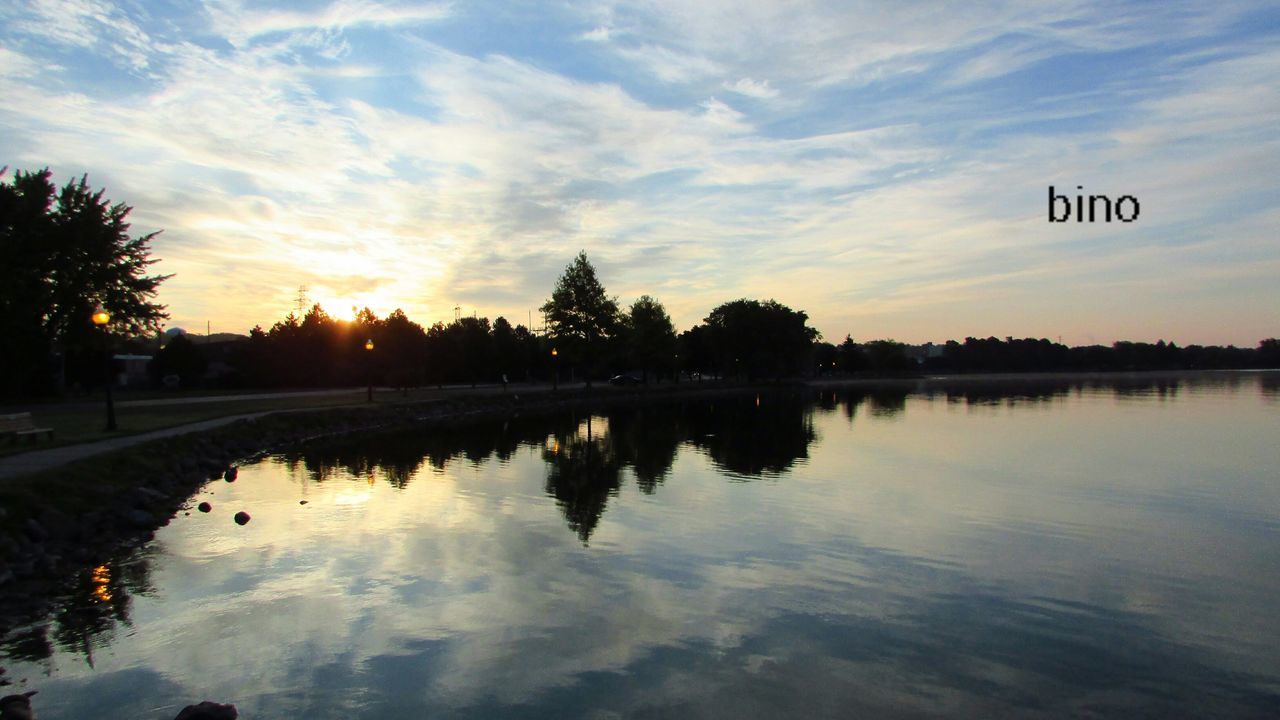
<point x="68" y="252"/>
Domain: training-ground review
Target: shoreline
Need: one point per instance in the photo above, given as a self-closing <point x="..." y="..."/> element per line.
<point x="59" y="522"/>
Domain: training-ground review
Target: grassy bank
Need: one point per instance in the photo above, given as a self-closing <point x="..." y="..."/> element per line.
<point x="80" y="422"/>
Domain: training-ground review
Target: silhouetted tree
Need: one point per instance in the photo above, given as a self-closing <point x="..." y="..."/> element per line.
<point x="824" y="358"/>
<point x="66" y="253"/>
<point x="887" y="356"/>
<point x="506" y="349"/>
<point x="477" y="347"/>
<point x="402" y="348"/>
<point x="651" y="338"/>
<point x="580" y="316"/>
<point x="762" y="339"/>
<point x="1269" y="353"/>
<point x="179" y="357"/>
<point x="850" y="357"/>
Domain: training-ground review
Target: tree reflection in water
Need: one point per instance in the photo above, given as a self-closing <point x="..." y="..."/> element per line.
<point x="583" y="470"/>
<point x="86" y="613"/>
<point x="756" y="435"/>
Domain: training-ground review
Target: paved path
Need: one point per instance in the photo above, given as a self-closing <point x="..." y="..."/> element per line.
<point x="246" y="396"/>
<point x="40" y="460"/>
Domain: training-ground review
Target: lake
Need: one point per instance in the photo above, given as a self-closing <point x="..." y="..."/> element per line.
<point x="1051" y="548"/>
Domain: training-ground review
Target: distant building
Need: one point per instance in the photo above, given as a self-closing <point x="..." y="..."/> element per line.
<point x="922" y="353"/>
<point x="130" y="370"/>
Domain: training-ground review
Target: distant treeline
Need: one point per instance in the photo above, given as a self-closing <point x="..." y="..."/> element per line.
<point x="762" y="340"/>
<point x="991" y="354"/>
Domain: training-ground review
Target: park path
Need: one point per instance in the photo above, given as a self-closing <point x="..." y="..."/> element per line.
<point x="40" y="460"/>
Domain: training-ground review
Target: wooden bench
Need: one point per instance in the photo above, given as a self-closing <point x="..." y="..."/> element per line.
<point x="21" y="425"/>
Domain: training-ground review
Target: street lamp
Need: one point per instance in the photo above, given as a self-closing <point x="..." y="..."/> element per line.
<point x="368" y="345"/>
<point x="555" y="369"/>
<point x="101" y="318"/>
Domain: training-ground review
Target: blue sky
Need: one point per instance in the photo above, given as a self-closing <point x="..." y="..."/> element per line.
<point x="882" y="166"/>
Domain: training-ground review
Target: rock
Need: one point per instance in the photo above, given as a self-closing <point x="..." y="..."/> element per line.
<point x="17" y="707"/>
<point x="242" y="518"/>
<point x="35" y="530"/>
<point x="208" y="711"/>
<point x="58" y="524"/>
<point x="204" y="507"/>
<point x="302" y="502"/>
<point x="140" y="518"/>
<point x="152" y="493"/>
<point x="231" y="473"/>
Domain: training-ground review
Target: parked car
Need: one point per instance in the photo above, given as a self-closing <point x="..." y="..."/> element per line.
<point x="624" y="380"/>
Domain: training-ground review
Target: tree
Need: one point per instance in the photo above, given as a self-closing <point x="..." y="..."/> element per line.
<point x="760" y="338"/>
<point x="66" y="253"/>
<point x="650" y="334"/>
<point x="179" y="357"/>
<point x="506" y="348"/>
<point x="1269" y="353"/>
<point x="579" y="314"/>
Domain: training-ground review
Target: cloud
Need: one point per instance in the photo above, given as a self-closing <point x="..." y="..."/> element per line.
<point x="752" y="88"/>
<point x="241" y="25"/>
<point x="896" y="183"/>
<point x="91" y="24"/>
<point x="599" y="34"/>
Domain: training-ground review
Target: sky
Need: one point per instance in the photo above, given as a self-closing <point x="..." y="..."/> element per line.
<point x="884" y="167"/>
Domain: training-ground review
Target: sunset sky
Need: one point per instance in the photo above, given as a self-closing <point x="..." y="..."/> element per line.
<point x="882" y="166"/>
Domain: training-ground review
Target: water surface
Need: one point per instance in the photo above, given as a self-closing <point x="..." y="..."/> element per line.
<point x="1052" y="549"/>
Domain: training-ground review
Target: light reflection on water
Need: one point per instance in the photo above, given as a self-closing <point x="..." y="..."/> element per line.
<point x="1061" y="548"/>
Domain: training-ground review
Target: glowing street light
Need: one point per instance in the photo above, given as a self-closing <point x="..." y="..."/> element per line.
<point x="555" y="369"/>
<point x="368" y="346"/>
<point x="100" y="318"/>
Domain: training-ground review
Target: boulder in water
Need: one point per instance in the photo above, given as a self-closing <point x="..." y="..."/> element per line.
<point x="17" y="707"/>
<point x="208" y="711"/>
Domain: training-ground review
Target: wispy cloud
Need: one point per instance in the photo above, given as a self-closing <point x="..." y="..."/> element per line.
<point x="752" y="88"/>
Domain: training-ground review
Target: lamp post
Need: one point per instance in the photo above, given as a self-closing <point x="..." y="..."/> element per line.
<point x="101" y="318"/>
<point x="555" y="369"/>
<point x="368" y="345"/>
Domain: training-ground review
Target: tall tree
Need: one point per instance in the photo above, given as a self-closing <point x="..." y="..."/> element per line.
<point x="65" y="253"/>
<point x="760" y="338"/>
<point x="580" y="316"/>
<point x="651" y="336"/>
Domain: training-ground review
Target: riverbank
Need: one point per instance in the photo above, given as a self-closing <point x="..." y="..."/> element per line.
<point x="57" y="524"/>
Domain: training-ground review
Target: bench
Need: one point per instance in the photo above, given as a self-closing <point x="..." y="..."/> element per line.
<point x="21" y="425"/>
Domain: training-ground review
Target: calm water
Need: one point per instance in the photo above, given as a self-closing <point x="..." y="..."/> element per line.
<point x="1048" y="550"/>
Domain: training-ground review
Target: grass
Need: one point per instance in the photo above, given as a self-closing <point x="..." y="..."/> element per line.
<point x="80" y="422"/>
